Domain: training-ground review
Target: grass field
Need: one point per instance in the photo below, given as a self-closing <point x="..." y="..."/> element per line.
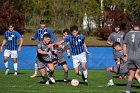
<point x="97" y="83"/>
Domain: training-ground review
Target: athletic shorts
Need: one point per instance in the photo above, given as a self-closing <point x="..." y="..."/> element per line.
<point x="134" y="64"/>
<point x="77" y="59"/>
<point x="41" y="65"/>
<point x="13" y="53"/>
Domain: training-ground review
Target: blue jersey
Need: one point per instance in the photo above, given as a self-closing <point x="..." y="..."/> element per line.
<point x="76" y="44"/>
<point x="11" y="39"/>
<point x="40" y="32"/>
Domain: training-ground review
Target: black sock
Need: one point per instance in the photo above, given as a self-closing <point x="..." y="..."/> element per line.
<point x="45" y="77"/>
<point x="66" y="75"/>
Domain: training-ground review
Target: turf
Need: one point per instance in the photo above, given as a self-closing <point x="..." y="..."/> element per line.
<point x="97" y="83"/>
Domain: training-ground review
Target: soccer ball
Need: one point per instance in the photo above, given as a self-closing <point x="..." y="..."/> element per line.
<point x="74" y="82"/>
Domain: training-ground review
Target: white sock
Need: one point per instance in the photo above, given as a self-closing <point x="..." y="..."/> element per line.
<point x="127" y="91"/>
<point x="6" y="64"/>
<point x="85" y="73"/>
<point x="80" y="73"/>
<point x="35" y="68"/>
<point x="138" y="80"/>
<point x="15" y="66"/>
<point x="110" y="80"/>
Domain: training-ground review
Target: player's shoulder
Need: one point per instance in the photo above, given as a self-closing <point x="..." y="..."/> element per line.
<point x="48" y="29"/>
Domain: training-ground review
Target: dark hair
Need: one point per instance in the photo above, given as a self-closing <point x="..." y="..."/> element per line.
<point x="46" y="36"/>
<point x="116" y="26"/>
<point x="11" y="24"/>
<point x="117" y="44"/>
<point x="42" y="21"/>
<point x="74" y="27"/>
<point x="66" y="30"/>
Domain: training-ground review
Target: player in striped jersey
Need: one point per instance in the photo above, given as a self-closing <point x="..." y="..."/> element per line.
<point x="39" y="35"/>
<point x="78" y="49"/>
<point x="10" y="39"/>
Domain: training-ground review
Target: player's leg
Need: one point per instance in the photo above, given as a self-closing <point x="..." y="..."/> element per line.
<point x="6" y="55"/>
<point x="137" y="76"/>
<point x="65" y="67"/>
<point x="41" y="68"/>
<point x="83" y="61"/>
<point x="132" y="69"/>
<point x="109" y="74"/>
<point x="15" y="66"/>
<point x="130" y="78"/>
<point x="35" y="71"/>
<point x="14" y="57"/>
<point x="51" y="71"/>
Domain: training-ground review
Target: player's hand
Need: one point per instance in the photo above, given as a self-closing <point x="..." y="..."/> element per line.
<point x="50" y="45"/>
<point x="49" y="53"/>
<point x="19" y="49"/>
<point x="87" y="51"/>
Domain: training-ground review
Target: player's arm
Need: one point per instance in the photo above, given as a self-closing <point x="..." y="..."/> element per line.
<point x="85" y="46"/>
<point x="109" y="41"/>
<point x="21" y="41"/>
<point x="125" y="47"/>
<point x="43" y="52"/>
<point x="3" y="43"/>
<point x="35" y="36"/>
<point x="20" y="44"/>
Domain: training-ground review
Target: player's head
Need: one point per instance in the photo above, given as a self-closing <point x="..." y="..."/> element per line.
<point x="136" y="26"/>
<point x="42" y="24"/>
<point x="11" y="27"/>
<point x="117" y="28"/>
<point x="65" y="32"/>
<point x="46" y="38"/>
<point x="117" y="46"/>
<point x="74" y="30"/>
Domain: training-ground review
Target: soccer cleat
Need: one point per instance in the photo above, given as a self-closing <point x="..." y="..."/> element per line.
<point x="127" y="91"/>
<point x="52" y="80"/>
<point x="47" y="82"/>
<point x="33" y="76"/>
<point x="86" y="82"/>
<point x="15" y="73"/>
<point x="65" y="80"/>
<point x="110" y="84"/>
<point x="7" y="71"/>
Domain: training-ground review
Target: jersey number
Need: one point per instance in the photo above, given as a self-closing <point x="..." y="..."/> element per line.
<point x="133" y="37"/>
<point x="118" y="40"/>
<point x="9" y="38"/>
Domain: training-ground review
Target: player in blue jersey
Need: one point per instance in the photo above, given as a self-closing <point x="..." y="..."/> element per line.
<point x="10" y="39"/>
<point x="39" y="35"/>
<point x="78" y="49"/>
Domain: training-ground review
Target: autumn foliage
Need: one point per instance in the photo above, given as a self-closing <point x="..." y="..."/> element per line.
<point x="11" y="12"/>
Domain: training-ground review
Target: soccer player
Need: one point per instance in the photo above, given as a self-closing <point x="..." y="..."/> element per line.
<point x="132" y="53"/>
<point x="10" y="39"/>
<point x="117" y="36"/>
<point x="78" y="49"/>
<point x="44" y="59"/>
<point x="121" y="63"/>
<point x="61" y="51"/>
<point x="39" y="35"/>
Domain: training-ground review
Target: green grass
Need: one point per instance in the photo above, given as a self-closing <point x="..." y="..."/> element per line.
<point x="97" y="83"/>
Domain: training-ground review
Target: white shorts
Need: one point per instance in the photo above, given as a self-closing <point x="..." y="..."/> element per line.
<point x="13" y="53"/>
<point x="77" y="59"/>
